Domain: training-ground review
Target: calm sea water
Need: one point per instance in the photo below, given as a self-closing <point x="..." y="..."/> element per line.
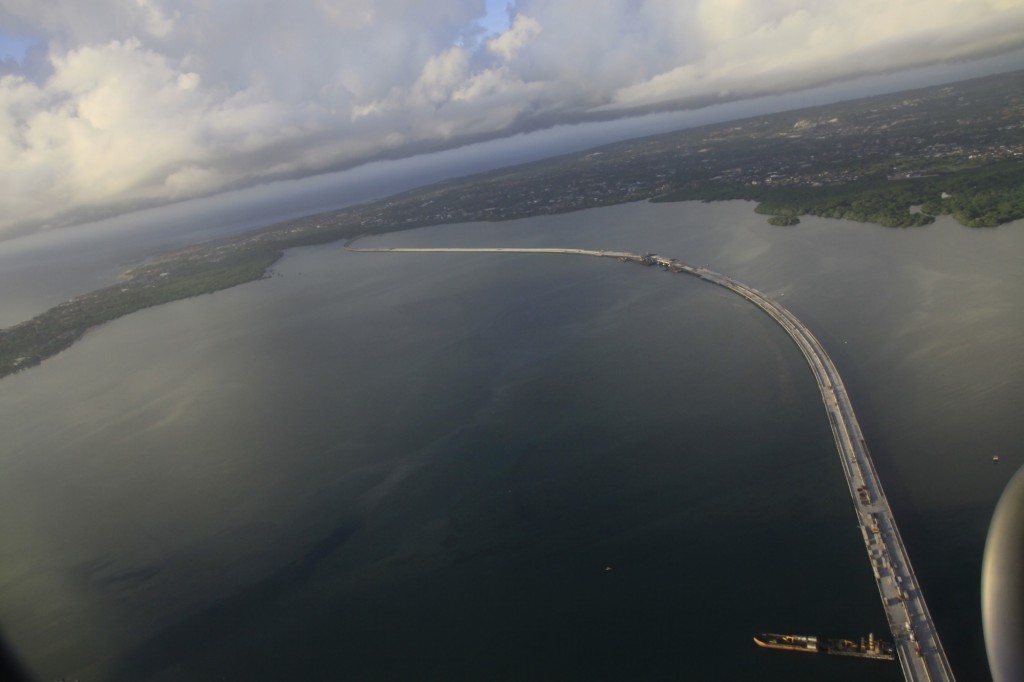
<point x="514" y="467"/>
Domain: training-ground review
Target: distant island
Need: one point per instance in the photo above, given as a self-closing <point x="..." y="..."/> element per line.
<point x="896" y="160"/>
<point x="783" y="219"/>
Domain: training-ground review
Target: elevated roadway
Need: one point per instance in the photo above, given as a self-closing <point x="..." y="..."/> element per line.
<point x="920" y="652"/>
<point x="577" y="252"/>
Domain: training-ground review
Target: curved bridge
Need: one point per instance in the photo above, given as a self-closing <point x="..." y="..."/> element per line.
<point x="920" y="651"/>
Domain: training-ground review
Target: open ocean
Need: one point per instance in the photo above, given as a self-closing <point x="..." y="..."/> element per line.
<point x="510" y="467"/>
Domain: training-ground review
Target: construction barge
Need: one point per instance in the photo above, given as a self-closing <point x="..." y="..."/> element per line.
<point x="862" y="648"/>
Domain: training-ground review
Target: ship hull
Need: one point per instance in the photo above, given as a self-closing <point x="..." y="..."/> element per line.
<point x="769" y="640"/>
<point x="865" y="648"/>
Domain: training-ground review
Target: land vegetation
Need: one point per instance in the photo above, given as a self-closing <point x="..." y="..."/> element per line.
<point x="29" y="343"/>
<point x="895" y="160"/>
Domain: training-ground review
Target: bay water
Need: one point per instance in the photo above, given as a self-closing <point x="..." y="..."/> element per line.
<point x="480" y="466"/>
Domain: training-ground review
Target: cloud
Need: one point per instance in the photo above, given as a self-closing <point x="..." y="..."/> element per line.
<point x="125" y="104"/>
<point x="442" y="75"/>
<point x="507" y="44"/>
<point x="756" y="48"/>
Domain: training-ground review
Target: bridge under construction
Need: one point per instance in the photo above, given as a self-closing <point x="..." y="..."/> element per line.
<point x="920" y="651"/>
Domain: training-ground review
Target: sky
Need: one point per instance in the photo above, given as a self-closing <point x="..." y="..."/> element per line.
<point x="107" y="106"/>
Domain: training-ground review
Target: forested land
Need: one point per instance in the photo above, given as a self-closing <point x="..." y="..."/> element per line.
<point x="29" y="343"/>
<point x="976" y="197"/>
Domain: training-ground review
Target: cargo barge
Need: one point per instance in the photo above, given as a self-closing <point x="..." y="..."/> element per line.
<point x="869" y="648"/>
<point x="770" y="640"/>
<point x="863" y="648"/>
